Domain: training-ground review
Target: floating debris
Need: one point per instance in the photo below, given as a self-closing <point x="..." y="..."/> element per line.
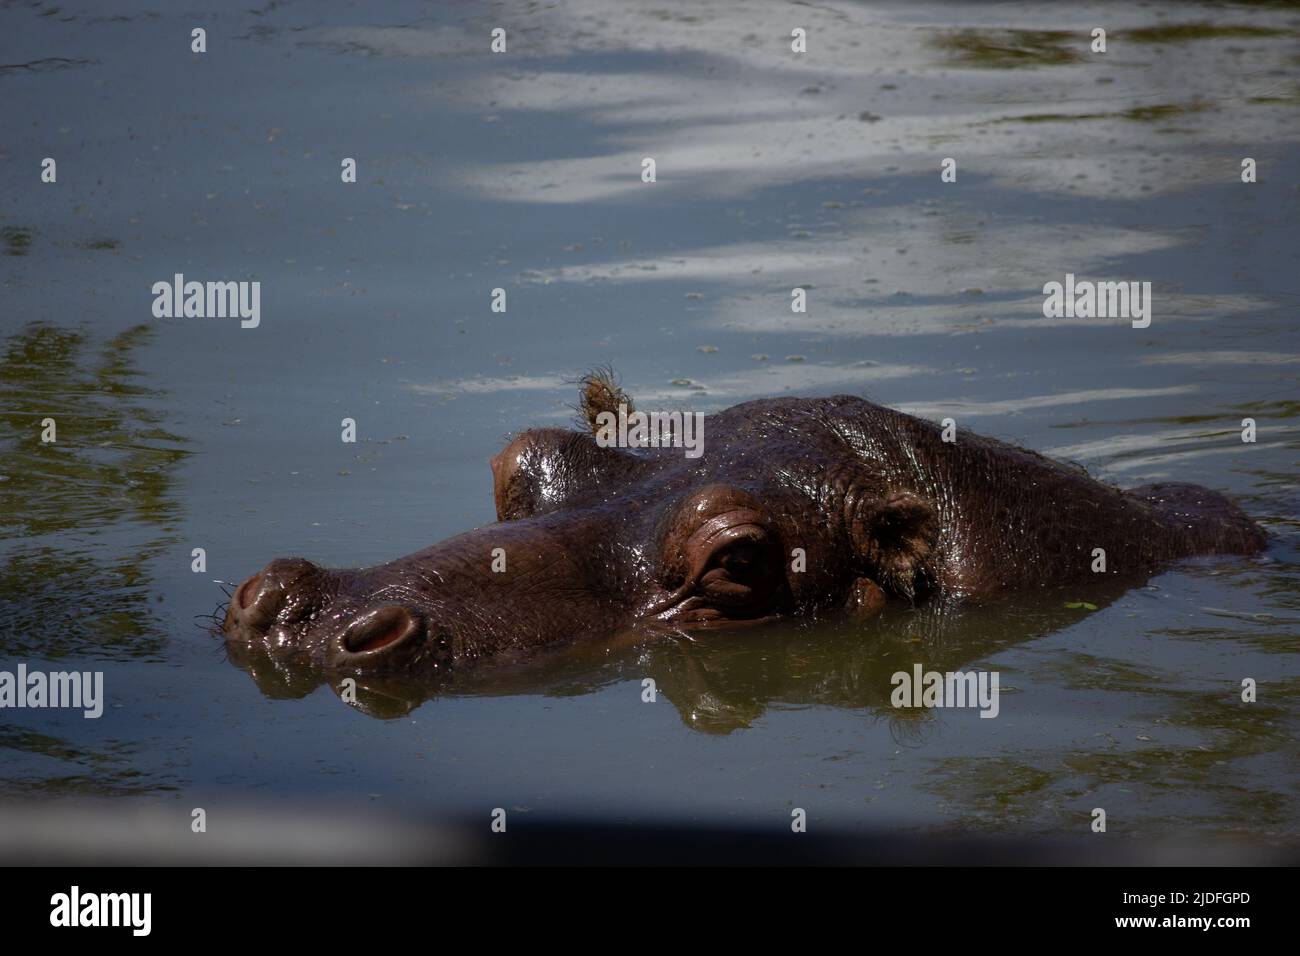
<point x="17" y="240"/>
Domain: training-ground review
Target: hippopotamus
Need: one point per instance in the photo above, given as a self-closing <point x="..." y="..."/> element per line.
<point x="797" y="507"/>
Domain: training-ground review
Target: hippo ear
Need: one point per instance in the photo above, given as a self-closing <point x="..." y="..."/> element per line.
<point x="546" y="469"/>
<point x="894" y="538"/>
<point x="600" y="393"/>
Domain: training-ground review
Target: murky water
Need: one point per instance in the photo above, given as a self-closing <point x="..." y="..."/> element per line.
<point x="522" y="171"/>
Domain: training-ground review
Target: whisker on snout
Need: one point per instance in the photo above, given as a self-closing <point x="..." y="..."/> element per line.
<point x="217" y="612"/>
<point x="217" y="616"/>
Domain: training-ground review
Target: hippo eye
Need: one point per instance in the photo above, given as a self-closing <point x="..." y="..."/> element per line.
<point x="741" y="574"/>
<point x="741" y="559"/>
<point x="727" y="567"/>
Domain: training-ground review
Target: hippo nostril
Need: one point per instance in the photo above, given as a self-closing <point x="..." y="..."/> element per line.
<point x="379" y="630"/>
<point x="244" y="596"/>
<point x="258" y="600"/>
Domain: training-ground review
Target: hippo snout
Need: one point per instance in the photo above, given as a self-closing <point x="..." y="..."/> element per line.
<point x="293" y="607"/>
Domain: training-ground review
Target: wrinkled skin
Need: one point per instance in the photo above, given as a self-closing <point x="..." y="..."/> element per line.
<point x="596" y="539"/>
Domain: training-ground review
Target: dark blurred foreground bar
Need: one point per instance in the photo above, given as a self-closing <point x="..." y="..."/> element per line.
<point x="120" y="833"/>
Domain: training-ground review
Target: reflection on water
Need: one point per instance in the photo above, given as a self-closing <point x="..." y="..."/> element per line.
<point x="82" y="516"/>
<point x="1157" y="450"/>
<point x="1012" y="49"/>
<point x="1054" y="790"/>
<point x="64" y="768"/>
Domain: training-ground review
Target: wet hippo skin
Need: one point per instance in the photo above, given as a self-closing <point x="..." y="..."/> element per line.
<point x="798" y="506"/>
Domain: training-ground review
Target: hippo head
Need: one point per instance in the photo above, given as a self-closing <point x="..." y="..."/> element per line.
<point x="789" y="509"/>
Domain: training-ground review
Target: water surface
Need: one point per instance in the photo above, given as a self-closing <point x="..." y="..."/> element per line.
<point x="522" y="171"/>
